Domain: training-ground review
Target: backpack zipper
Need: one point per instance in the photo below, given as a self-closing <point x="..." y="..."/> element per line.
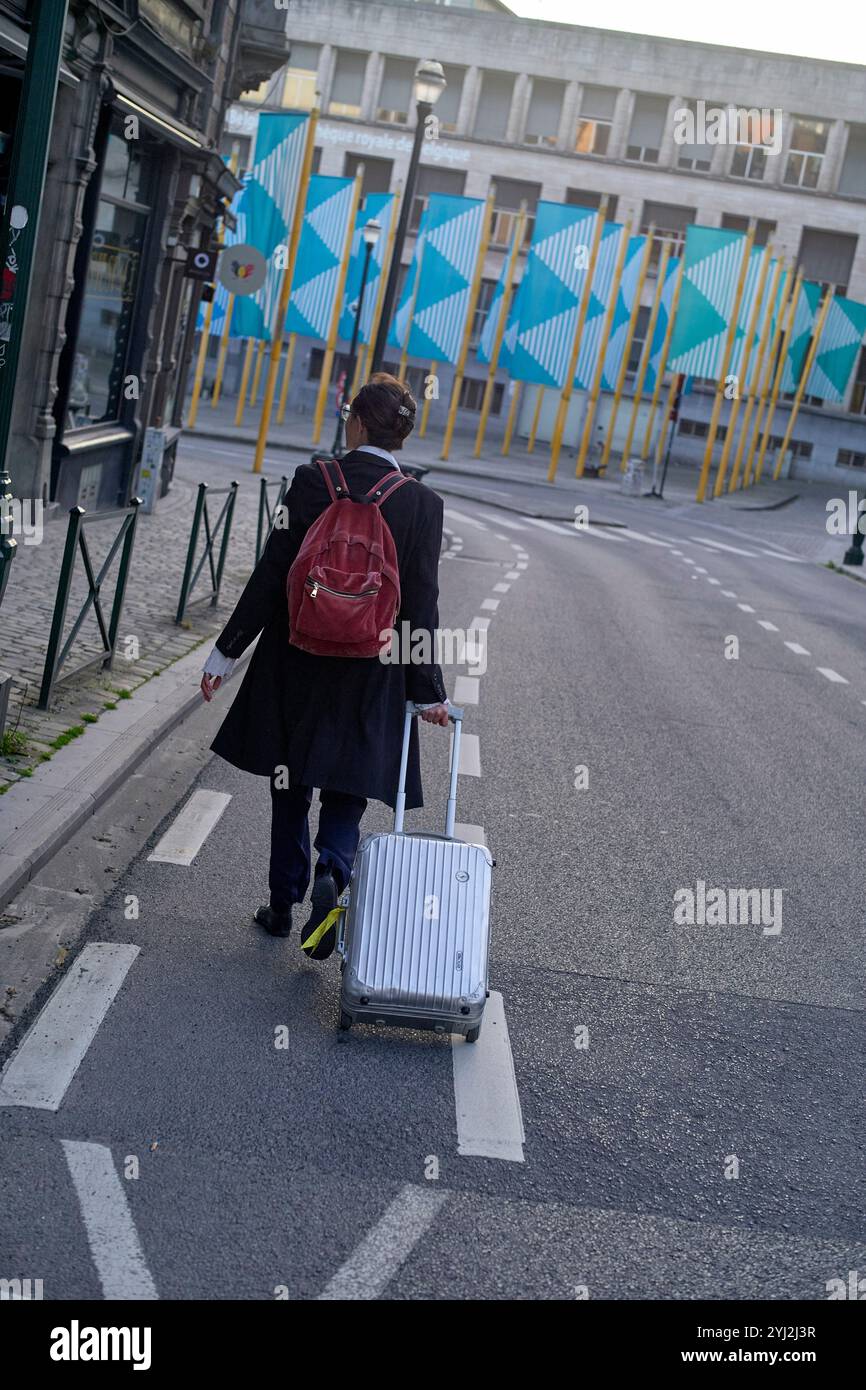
<point x="367" y="593"/>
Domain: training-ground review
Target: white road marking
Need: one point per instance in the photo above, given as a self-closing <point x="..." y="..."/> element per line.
<point x="792" y="559"/>
<point x="603" y="533"/>
<point x="39" y="1071"/>
<point x="713" y="581"/>
<point x="458" y="540"/>
<point x="677" y="553"/>
<point x="489" y="1120"/>
<point x="466" y="690"/>
<point x="560" y="528"/>
<point x="797" y="649"/>
<point x="687" y="560"/>
<point x="501" y="588"/>
<point x="768" y="627"/>
<point x="521" y="553"/>
<point x="467" y="520"/>
<point x="491" y="604"/>
<point x="513" y="574"/>
<point x="718" y="545"/>
<point x="469" y="834"/>
<point x="670" y="540"/>
<point x="639" y="536"/>
<point x="729" y="593"/>
<point x="185" y="836"/>
<point x="479" y="623"/>
<point x="521" y="565"/>
<point x="699" y="570"/>
<point x="111" y="1232"/>
<point x="832" y="675"/>
<point x="387" y="1246"/>
<point x="500" y="521"/>
<point x="745" y="608"/>
<point x="470" y="755"/>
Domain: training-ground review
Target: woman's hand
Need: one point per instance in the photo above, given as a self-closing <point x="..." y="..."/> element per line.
<point x="437" y="714"/>
<point x="209" y="686"/>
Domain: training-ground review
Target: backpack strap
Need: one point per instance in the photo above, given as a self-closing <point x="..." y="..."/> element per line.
<point x="341" y="489"/>
<point x="381" y="491"/>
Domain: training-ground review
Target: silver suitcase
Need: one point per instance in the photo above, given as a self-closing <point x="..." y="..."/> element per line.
<point x="416" y="932"/>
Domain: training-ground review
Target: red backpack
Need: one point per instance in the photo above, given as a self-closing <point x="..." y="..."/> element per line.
<point x="344" y="585"/>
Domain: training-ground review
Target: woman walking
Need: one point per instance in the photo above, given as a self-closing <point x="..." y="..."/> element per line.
<point x="333" y="722"/>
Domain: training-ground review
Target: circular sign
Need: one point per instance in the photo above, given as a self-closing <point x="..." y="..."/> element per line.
<point x="242" y="269"/>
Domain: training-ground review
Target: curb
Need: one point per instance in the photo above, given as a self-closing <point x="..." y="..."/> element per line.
<point x="39" y="814"/>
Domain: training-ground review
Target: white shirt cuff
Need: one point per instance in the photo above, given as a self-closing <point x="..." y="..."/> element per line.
<point x="218" y="665"/>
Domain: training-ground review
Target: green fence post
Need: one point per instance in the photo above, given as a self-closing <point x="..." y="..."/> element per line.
<point x="122" y="576"/>
<point x="190" y="553"/>
<point x="61" y="603"/>
<point x="227" y="526"/>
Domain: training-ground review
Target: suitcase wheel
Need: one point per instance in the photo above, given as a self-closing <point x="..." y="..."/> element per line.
<point x="472" y="1035"/>
<point x="345" y="1021"/>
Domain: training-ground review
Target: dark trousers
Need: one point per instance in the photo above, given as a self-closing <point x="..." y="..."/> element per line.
<point x="336" y="842"/>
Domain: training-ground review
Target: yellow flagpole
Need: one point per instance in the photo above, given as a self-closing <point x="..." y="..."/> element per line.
<point x="726" y="362"/>
<point x="254" y="389"/>
<point x="595" y="386"/>
<point x="221" y="357"/>
<point x="404" y="352"/>
<point x="663" y="363"/>
<point x="285" y="292"/>
<point x="325" y="380"/>
<point x="425" y="409"/>
<point x="777" y="380"/>
<point x="568" y="384"/>
<point x="660" y="442"/>
<point x="467" y="331"/>
<point x="512" y="416"/>
<point x="380" y="298"/>
<point x="722" y="471"/>
<point x="804" y="375"/>
<point x="623" y="366"/>
<point x="645" y="356"/>
<point x="536" y="416"/>
<point x="504" y="311"/>
<point x="245" y="380"/>
<point x="763" y="391"/>
<point x="756" y="376"/>
<point x="287" y="376"/>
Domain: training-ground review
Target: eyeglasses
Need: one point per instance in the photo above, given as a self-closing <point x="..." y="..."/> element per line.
<point x="345" y="411"/>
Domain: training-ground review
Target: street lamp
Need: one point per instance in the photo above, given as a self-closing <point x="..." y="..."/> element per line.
<point x="370" y="234"/>
<point x="428" y="87"/>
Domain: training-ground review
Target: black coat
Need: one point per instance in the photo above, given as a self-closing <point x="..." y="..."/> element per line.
<point x="335" y="722"/>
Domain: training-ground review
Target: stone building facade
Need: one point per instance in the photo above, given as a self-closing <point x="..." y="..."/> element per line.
<point x="540" y="110"/>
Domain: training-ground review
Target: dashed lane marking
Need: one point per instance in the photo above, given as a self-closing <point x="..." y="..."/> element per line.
<point x="729" y="593"/>
<point x="718" y="545"/>
<point x="469" y="834"/>
<point x="466" y="690"/>
<point x="40" y="1070"/>
<point x="513" y="574"/>
<point x="387" y="1246"/>
<point x="491" y="604"/>
<point x="185" y="836"/>
<point x="111" y="1233"/>
<point x="832" y="675"/>
<point x="639" y="536"/>
<point x="467" y="520"/>
<point x="470" y="755"/>
<point x="745" y="608"/>
<point x="501" y="521"/>
<point x="489" y="1119"/>
<point x="479" y="623"/>
<point x="797" y="649"/>
<point x="560" y="528"/>
<point x="767" y="626"/>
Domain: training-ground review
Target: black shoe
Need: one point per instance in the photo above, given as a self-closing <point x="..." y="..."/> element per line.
<point x="323" y="899"/>
<point x="274" y="923"/>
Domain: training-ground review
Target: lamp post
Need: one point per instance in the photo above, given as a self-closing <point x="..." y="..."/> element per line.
<point x="370" y="233"/>
<point x="428" y="87"/>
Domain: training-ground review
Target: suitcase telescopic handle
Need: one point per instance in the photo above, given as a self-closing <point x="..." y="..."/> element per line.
<point x="455" y="714"/>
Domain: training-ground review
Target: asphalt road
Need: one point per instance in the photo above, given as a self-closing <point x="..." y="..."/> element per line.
<point x="652" y="1060"/>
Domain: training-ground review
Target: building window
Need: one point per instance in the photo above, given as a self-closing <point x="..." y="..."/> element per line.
<point x="647" y="125"/>
<point x="858" y="391"/>
<point x="395" y="97"/>
<point x="472" y="394"/>
<point x="671" y="223"/>
<point x="797" y="448"/>
<point x="697" y="156"/>
<point x="749" y="159"/>
<point x="545" y="109"/>
<point x="485" y="295"/>
<point x="827" y="257"/>
<point x="348" y="83"/>
<point x="377" y="172"/>
<point x="507" y="197"/>
<point x="588" y="198"/>
<point x="764" y="229"/>
<point x="448" y="105"/>
<point x="432" y="179"/>
<point x="847" y="458"/>
<point x="299" y="87"/>
<point x="596" y="117"/>
<point x="808" y="145"/>
<point x="699" y="429"/>
<point x="494" y="105"/>
<point x="111" y="283"/>
<point x="852" y="180"/>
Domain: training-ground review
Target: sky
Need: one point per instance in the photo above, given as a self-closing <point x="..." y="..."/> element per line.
<point x="832" y="29"/>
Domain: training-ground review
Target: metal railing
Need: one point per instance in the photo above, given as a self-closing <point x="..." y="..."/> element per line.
<point x="266" y="511"/>
<point x="224" y="523"/>
<point x="76" y="540"/>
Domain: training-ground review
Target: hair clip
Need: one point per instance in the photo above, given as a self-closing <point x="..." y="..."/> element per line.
<point x="401" y="410"/>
